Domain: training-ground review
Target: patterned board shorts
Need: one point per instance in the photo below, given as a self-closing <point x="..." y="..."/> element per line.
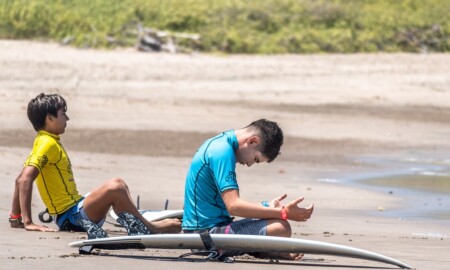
<point x="244" y="226"/>
<point x="66" y="221"/>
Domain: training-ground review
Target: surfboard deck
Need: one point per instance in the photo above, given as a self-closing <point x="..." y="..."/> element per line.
<point x="153" y="215"/>
<point x="246" y="243"/>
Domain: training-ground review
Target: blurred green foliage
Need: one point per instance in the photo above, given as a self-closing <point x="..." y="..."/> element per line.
<point x="238" y="26"/>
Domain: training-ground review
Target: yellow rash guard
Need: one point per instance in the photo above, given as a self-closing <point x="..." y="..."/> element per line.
<point x="55" y="181"/>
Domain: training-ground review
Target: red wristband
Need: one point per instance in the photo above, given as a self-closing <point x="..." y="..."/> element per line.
<point x="15" y="216"/>
<point x="284" y="214"/>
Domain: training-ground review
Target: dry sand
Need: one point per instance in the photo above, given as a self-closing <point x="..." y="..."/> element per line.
<point x="141" y="117"/>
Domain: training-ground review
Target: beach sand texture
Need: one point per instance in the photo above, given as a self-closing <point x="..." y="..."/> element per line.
<point x="141" y="116"/>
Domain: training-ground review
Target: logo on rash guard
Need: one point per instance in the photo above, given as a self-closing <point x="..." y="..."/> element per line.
<point x="231" y="177"/>
<point x="42" y="161"/>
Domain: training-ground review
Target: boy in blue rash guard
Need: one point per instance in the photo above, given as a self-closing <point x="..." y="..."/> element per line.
<point x="212" y="191"/>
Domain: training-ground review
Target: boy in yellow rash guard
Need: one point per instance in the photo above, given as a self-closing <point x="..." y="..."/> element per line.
<point x="50" y="166"/>
<point x="57" y="188"/>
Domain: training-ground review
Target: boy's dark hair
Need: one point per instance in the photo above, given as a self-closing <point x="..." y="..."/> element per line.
<point x="42" y="105"/>
<point x="271" y="137"/>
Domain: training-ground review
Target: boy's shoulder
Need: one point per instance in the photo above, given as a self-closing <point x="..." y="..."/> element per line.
<point x="219" y="143"/>
<point x="45" y="149"/>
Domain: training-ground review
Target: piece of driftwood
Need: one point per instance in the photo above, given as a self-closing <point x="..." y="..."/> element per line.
<point x="153" y="40"/>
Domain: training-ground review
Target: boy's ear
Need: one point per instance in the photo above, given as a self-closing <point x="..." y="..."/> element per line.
<point x="254" y="140"/>
<point x="49" y="117"/>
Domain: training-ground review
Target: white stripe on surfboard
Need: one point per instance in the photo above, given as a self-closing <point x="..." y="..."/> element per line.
<point x="247" y="243"/>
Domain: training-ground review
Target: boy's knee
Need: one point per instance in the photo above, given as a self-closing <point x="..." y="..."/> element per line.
<point x="286" y="228"/>
<point x="117" y="184"/>
<point x="280" y="228"/>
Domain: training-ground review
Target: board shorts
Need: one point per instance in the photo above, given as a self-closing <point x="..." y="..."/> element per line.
<point x="67" y="220"/>
<point x="244" y="226"/>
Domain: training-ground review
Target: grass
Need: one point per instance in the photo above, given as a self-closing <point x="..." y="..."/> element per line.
<point x="238" y="26"/>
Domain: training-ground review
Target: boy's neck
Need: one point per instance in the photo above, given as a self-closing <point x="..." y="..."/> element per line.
<point x="243" y="134"/>
<point x="49" y="132"/>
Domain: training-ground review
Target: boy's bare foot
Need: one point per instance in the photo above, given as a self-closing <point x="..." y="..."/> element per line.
<point x="283" y="256"/>
<point x="170" y="225"/>
<point x="295" y="256"/>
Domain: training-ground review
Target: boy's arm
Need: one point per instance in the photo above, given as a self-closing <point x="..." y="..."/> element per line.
<point x="239" y="207"/>
<point x="24" y="191"/>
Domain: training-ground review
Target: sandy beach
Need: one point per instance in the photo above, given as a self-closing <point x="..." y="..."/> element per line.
<point x="141" y="116"/>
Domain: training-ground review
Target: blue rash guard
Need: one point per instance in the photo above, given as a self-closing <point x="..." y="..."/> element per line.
<point x="212" y="171"/>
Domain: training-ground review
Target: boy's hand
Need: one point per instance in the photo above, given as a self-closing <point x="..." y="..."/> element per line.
<point x="276" y="203"/>
<point x="40" y="228"/>
<point x="296" y="213"/>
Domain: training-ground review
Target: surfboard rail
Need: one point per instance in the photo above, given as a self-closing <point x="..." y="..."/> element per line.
<point x="246" y="243"/>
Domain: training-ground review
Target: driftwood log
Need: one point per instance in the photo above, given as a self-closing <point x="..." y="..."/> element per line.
<point x="153" y="40"/>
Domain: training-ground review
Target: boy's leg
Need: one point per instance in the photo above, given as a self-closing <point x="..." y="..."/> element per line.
<point x="281" y="228"/>
<point x="270" y="227"/>
<point x="278" y="227"/>
<point x="115" y="193"/>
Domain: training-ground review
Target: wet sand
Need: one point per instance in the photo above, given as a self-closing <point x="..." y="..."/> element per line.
<point x="141" y="117"/>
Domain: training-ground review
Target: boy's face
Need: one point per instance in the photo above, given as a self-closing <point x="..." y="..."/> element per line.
<point x="57" y="125"/>
<point x="249" y="154"/>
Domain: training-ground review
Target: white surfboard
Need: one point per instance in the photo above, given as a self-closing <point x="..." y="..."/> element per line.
<point x="246" y="243"/>
<point x="151" y="215"/>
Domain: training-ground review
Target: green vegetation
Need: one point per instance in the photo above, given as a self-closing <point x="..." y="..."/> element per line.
<point x="238" y="26"/>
